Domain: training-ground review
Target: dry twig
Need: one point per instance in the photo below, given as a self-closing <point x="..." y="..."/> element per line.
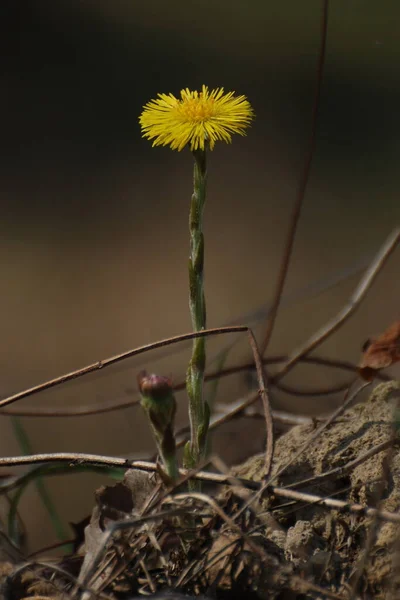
<point x="345" y="313"/>
<point x="295" y="216"/>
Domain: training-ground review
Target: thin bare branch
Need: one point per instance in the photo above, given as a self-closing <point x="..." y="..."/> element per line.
<point x="121" y="404"/>
<point x="336" y="504"/>
<point x="227" y="412"/>
<point x="263" y="392"/>
<point x="295" y="216"/>
<point x="345" y="313"/>
<point x="102" y="364"/>
<point x="312" y="392"/>
<point x="218" y="420"/>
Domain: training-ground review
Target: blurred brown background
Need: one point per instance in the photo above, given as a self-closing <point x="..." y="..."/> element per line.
<point x="94" y="239"/>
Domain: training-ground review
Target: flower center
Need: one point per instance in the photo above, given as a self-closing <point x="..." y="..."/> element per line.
<point x="196" y="109"/>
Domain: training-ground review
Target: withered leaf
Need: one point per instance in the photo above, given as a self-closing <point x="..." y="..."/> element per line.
<point x="381" y="352"/>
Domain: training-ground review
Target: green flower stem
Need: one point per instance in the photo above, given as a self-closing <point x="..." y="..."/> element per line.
<point x="198" y="409"/>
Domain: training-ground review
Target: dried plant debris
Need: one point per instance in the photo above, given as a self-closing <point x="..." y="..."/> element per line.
<point x="192" y="547"/>
<point x="105" y="553"/>
<point x="144" y="541"/>
<point x="380" y="353"/>
<point x="275" y="545"/>
<point x="42" y="581"/>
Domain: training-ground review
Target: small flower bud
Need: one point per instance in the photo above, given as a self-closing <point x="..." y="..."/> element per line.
<point x="158" y="401"/>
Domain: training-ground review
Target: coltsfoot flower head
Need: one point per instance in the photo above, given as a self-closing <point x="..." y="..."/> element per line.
<point x="197" y="118"/>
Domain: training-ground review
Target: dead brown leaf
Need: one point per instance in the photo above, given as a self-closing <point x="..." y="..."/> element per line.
<point x="381" y="352"/>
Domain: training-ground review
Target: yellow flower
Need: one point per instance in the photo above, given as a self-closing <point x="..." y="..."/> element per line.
<point x="197" y="118"/>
